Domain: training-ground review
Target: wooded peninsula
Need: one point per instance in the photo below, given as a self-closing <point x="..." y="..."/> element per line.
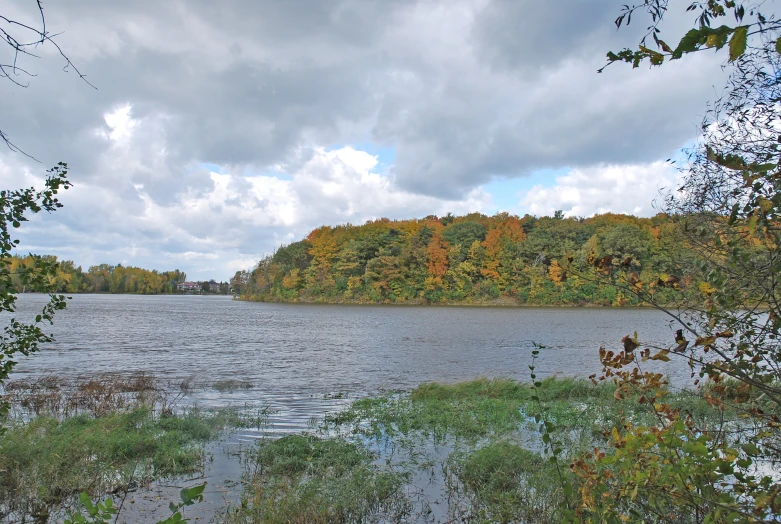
<point x="605" y="260"/>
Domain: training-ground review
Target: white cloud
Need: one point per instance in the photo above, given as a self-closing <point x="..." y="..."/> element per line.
<point x="141" y="211"/>
<point x="463" y="92"/>
<point x="629" y="189"/>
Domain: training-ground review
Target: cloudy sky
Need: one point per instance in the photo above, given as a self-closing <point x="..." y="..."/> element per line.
<point x="220" y="130"/>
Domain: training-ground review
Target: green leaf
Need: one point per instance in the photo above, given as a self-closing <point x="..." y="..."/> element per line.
<point x="85" y="500"/>
<point x="778" y="46"/>
<point x="688" y="43"/>
<point x="750" y="449"/>
<point x="737" y="44"/>
<point x="193" y="494"/>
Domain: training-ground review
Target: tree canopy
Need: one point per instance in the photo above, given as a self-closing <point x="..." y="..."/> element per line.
<point x="473" y="258"/>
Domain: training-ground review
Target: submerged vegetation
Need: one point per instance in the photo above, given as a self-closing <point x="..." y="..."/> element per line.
<point x="445" y="452"/>
<point x="48" y="462"/>
<point x="306" y="478"/>
<point x="469" y="451"/>
<point x="102" y="436"/>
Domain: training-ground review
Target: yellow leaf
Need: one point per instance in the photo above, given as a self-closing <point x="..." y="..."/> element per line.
<point x="706" y="288"/>
<point x="737" y="44"/>
<point x="765" y="204"/>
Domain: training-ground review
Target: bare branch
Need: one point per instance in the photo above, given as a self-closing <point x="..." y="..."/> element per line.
<point x="22" y="38"/>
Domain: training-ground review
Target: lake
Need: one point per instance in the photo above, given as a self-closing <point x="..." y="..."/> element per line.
<point x="302" y="360"/>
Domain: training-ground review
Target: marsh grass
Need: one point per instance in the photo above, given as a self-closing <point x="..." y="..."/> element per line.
<point x="497" y="470"/>
<point x="305" y="478"/>
<point x="95" y="396"/>
<point x="47" y="462"/>
<point x="475" y="444"/>
<point x="471" y="410"/>
<point x="103" y="435"/>
<point x="503" y="482"/>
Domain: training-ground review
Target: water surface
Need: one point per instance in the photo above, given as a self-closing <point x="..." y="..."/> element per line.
<point x="306" y="360"/>
<point x="298" y="351"/>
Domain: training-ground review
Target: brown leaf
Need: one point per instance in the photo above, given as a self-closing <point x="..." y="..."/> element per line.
<point x="662" y="355"/>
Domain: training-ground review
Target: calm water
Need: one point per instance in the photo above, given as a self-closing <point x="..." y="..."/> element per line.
<point x="316" y="350"/>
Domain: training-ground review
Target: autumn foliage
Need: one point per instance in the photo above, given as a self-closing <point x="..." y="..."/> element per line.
<point x="477" y="259"/>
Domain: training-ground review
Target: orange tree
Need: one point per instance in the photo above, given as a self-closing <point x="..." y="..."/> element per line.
<point x="727" y="216"/>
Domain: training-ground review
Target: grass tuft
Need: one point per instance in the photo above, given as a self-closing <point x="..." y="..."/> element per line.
<point x="303" y="478"/>
<point x="506" y="483"/>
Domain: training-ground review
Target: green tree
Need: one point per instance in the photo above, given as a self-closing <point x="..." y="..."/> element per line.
<point x="239" y="281"/>
<point x="21" y="337"/>
<point x="463" y="235"/>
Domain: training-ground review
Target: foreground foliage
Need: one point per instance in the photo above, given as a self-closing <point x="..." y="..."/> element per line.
<point x="46" y="463"/>
<point x="21" y="337"/>
<point x="727" y="211"/>
<point x="77" y="441"/>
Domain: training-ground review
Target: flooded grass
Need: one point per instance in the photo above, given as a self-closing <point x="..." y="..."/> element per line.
<point x="469" y="451"/>
<point x="493" y="468"/>
<point x="503" y="482"/>
<point x="305" y="478"/>
<point x="103" y="436"/>
<point x="471" y="410"/>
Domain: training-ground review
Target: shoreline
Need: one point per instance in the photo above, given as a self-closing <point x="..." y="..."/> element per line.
<point x="496" y="304"/>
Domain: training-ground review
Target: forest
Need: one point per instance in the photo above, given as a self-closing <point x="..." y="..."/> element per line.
<point x="67" y="277"/>
<point x="607" y="260"/>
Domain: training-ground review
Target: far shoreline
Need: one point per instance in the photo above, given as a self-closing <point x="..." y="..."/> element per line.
<point x="504" y="304"/>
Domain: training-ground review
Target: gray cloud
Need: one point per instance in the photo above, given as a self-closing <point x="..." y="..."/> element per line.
<point x="462" y="90"/>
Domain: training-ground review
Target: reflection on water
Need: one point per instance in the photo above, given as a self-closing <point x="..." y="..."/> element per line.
<point x="305" y="360"/>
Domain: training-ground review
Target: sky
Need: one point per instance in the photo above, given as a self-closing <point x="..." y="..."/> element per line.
<point x="221" y="130"/>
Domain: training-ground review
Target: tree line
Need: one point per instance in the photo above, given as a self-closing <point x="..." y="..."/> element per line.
<point x="67" y="277"/>
<point x="477" y="258"/>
